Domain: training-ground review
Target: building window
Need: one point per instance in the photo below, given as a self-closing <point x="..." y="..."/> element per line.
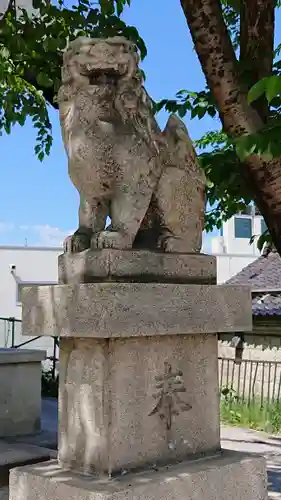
<point x="243" y="227"/>
<point x="263" y="226"/>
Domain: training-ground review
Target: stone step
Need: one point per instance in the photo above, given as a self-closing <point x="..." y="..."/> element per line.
<point x="18" y="454"/>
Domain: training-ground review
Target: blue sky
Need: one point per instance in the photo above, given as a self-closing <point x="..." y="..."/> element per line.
<point x="38" y="203"/>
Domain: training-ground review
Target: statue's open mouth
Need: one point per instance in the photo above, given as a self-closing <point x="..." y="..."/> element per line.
<point x="103" y="77"/>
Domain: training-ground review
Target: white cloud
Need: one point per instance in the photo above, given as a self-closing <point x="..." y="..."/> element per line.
<point x="6" y="227"/>
<point x="47" y="235"/>
<point x="51" y="236"/>
<point x="32" y="235"/>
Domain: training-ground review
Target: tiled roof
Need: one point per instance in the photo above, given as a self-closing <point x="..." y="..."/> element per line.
<point x="266" y="304"/>
<point x="264" y="276"/>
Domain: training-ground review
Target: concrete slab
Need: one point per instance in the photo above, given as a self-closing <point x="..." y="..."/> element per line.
<point x="260" y="443"/>
<point x="112" y="310"/>
<point x="4" y="493"/>
<point x="16" y="454"/>
<point x="20" y="391"/>
<point x="141" y="266"/>
<point x="48" y="437"/>
<point x="227" y="476"/>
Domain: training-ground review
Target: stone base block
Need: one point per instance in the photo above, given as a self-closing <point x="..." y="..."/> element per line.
<point x="141" y="266"/>
<point x="18" y="454"/>
<point x="108" y="310"/>
<point x="230" y="476"/>
<point x="20" y="391"/>
<point x="137" y="402"/>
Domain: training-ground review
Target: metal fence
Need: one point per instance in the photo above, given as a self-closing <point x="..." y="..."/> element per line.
<point x="11" y="337"/>
<point x="250" y="379"/>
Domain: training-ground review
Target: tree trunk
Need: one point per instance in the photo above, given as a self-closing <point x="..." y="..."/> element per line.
<point x="219" y="63"/>
<point x="256" y="46"/>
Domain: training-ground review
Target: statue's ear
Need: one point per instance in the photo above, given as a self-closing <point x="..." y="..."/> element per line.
<point x="176" y="129"/>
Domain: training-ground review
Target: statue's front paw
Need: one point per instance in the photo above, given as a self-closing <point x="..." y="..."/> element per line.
<point x="110" y="239"/>
<point x="170" y="244"/>
<point x="78" y="242"/>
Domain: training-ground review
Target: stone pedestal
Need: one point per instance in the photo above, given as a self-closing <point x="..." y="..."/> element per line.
<point x="229" y="476"/>
<point x="136" y="402"/>
<point x="20" y="391"/>
<point x="139" y="395"/>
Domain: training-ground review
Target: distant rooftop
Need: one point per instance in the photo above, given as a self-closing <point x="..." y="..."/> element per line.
<point x="264" y="276"/>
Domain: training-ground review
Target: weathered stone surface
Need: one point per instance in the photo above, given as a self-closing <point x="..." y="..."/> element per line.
<point x="127" y="403"/>
<point x="135" y="309"/>
<point x="231" y="476"/>
<point x="141" y="266"/>
<point x="20" y="391"/>
<point x="148" y="182"/>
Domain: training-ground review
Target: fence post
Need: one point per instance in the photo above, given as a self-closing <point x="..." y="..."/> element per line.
<point x="54" y="357"/>
<point x="12" y="321"/>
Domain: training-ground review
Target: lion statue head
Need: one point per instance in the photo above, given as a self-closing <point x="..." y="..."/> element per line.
<point x="110" y="68"/>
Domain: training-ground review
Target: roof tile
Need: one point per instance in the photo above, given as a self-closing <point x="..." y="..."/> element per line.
<point x="262" y="274"/>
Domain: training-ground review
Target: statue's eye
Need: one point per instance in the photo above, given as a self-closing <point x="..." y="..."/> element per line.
<point x="128" y="96"/>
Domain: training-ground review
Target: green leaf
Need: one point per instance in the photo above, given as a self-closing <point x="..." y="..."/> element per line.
<point x="36" y="4"/>
<point x="182" y="109"/>
<point x="212" y="111"/>
<point x="263" y="238"/>
<point x="273" y="87"/>
<point x="21" y="119"/>
<point x="41" y="156"/>
<point x="245" y="146"/>
<point x="257" y="90"/>
<point x="44" y="80"/>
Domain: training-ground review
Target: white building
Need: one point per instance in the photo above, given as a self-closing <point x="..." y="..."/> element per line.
<point x="233" y="248"/>
<point x="23" y="266"/>
<point x="21" y="4"/>
<point x="27" y="266"/>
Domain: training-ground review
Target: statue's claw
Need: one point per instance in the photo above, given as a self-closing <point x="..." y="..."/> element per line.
<point x="78" y="242"/>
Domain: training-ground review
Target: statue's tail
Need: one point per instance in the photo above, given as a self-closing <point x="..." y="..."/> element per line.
<point x="183" y="153"/>
<point x="181" y="146"/>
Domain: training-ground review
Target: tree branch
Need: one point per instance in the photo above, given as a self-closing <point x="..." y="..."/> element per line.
<point x="217" y="57"/>
<point x="257" y="20"/>
<point x="218" y="61"/>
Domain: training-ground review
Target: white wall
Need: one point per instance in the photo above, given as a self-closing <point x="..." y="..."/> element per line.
<point x="241" y="245"/>
<point x="229" y="244"/>
<point x="23" y="4"/>
<point x="233" y="254"/>
<point x="229" y="265"/>
<point x="31" y="266"/>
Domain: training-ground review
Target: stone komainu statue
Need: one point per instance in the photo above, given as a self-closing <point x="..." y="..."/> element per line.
<point x="147" y="181"/>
